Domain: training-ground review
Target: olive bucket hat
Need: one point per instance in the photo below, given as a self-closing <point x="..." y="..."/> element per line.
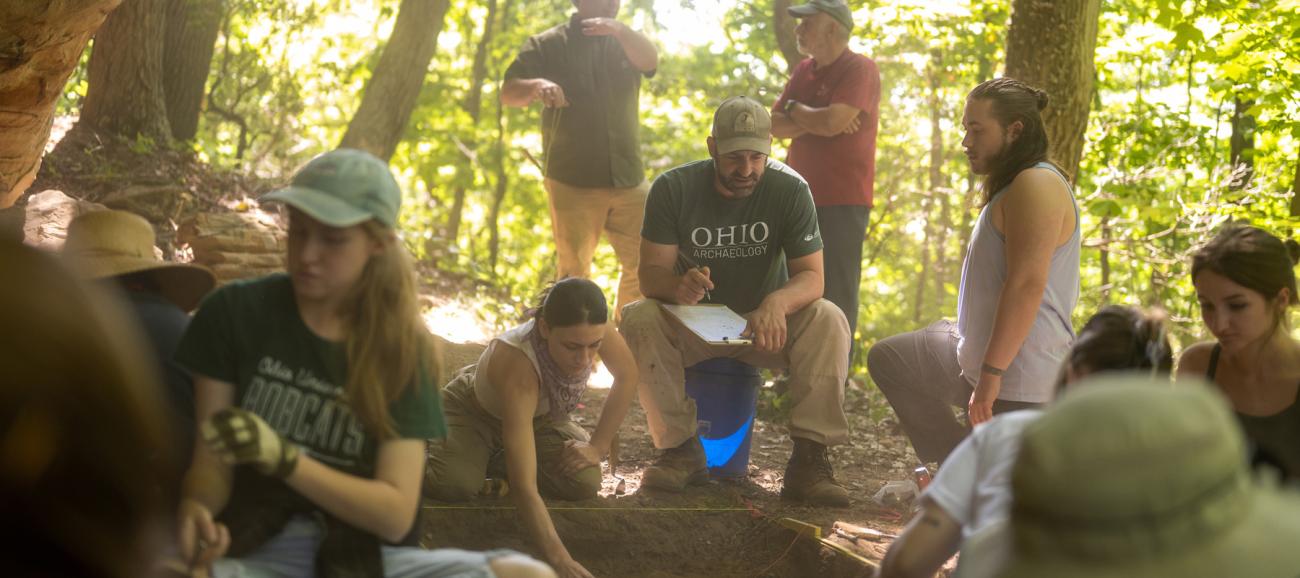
<point x="1126" y="481"/>
<point x="343" y="187"/>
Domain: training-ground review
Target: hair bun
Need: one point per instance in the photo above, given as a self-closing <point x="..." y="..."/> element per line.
<point x="1293" y="249"/>
<point x="1041" y="96"/>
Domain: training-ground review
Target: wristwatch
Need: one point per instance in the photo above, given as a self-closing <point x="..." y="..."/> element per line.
<point x="789" y="104"/>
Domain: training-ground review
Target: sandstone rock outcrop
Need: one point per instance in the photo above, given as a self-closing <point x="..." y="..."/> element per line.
<point x="235" y="245"/>
<point x="48" y="216"/>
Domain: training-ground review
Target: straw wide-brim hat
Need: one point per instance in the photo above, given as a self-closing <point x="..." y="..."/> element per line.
<point x="104" y="244"/>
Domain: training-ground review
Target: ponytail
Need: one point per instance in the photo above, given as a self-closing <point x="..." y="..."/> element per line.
<point x="570" y="301"/>
<point x="1120" y="338"/>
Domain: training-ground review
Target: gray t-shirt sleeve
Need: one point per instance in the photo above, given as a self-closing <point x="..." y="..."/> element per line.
<point x="661" y="214"/>
<point x="801" y="237"/>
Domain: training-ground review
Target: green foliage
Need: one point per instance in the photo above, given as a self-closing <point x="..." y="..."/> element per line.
<point x="261" y="84"/>
<point x="773" y="405"/>
<point x="1155" y="174"/>
<point x="143" y="145"/>
<point x="1152" y="185"/>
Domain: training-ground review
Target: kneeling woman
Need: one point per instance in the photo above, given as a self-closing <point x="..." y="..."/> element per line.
<point x="519" y="397"/>
<point x="316" y="386"/>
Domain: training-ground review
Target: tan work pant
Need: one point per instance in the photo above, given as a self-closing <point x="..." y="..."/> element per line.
<point x="458" y="464"/>
<point x="816" y="353"/>
<point x="578" y="215"/>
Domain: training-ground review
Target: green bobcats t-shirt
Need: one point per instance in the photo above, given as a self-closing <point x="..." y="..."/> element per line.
<point x="744" y="242"/>
<point x="249" y="334"/>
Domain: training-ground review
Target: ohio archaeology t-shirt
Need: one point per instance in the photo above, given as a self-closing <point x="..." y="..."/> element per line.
<point x="744" y="242"/>
<point x="249" y="334"/>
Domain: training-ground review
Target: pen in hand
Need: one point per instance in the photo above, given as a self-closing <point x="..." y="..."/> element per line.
<point x="690" y="264"/>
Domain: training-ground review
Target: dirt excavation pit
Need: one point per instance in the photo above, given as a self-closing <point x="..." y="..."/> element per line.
<point x="722" y="529"/>
<point x="650" y="542"/>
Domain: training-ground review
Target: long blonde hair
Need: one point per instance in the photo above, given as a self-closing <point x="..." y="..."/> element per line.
<point x="387" y="344"/>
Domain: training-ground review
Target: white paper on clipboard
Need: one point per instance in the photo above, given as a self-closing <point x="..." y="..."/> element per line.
<point x="715" y="324"/>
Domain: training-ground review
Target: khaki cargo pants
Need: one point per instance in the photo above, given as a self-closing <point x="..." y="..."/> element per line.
<point x="816" y="353"/>
<point x="459" y="463"/>
<point x="579" y="215"/>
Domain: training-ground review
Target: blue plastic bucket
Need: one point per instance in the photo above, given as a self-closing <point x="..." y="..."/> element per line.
<point x="725" y="393"/>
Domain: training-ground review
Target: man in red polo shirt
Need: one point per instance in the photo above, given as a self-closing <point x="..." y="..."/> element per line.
<point x="831" y="108"/>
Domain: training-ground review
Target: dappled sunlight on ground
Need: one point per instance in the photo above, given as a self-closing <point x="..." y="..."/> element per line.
<point x="58" y="129"/>
<point x="601" y="378"/>
<point x="455" y="321"/>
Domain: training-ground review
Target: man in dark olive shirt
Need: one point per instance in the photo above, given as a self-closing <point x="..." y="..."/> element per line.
<point x="587" y="74"/>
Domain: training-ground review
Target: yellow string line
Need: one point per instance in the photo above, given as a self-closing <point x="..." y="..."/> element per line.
<point x="584" y="509"/>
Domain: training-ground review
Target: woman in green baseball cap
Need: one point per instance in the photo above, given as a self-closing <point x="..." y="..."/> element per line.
<point x="316" y="395"/>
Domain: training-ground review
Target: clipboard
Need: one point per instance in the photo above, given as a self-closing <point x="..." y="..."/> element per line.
<point x="716" y="324"/>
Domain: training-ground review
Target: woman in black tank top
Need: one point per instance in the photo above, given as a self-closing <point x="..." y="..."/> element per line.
<point x="1245" y="285"/>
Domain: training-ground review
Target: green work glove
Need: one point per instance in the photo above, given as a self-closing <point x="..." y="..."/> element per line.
<point x="238" y="436"/>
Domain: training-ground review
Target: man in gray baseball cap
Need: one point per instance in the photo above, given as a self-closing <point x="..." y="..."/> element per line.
<point x="830" y="111"/>
<point x="837" y="9"/>
<point x="725" y="231"/>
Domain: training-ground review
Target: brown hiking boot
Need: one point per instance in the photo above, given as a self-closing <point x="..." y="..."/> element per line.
<point x="808" y="477"/>
<point x="677" y="467"/>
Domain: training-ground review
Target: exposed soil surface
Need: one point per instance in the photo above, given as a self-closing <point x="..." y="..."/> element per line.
<point x="90" y="167"/>
<point x="723" y="529"/>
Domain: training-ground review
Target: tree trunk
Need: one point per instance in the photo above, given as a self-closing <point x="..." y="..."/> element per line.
<point x="1295" y="189"/>
<point x="925" y="254"/>
<point x="124" y="95"/>
<point x="783" y="26"/>
<point x="391" y="95"/>
<point x="190" y="41"/>
<point x="228" y="110"/>
<point x="919" y="305"/>
<point x="474" y="102"/>
<point x="503" y="185"/>
<point x="1105" y="259"/>
<point x="1241" y="155"/>
<point x="474" y="106"/>
<point x="1051" y="45"/>
<point x="937" y="188"/>
<point x="502" y="177"/>
<point x="40" y="45"/>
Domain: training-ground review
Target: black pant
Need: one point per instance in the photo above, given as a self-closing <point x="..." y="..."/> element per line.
<point x="843" y="229"/>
